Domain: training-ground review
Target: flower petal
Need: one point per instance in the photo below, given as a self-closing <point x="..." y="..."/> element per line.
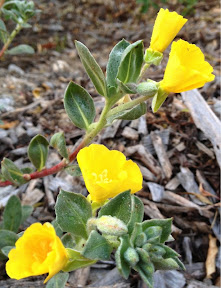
<point x="166" y="27"/>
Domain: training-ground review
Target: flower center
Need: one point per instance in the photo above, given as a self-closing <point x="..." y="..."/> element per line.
<point x="102" y="177"/>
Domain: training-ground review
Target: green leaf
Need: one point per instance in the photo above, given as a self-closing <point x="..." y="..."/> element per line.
<point x="12" y="173"/>
<point x="72" y="212"/>
<point x="119" y="207"/>
<point x="135" y="112"/>
<point x="180" y="264"/>
<point x="7" y="238"/>
<point x="3" y="32"/>
<point x="131" y="63"/>
<point x="146" y="272"/>
<point x="97" y="247"/>
<point x="76" y="261"/>
<point x="5" y="250"/>
<point x="58" y="281"/>
<point x="170" y="253"/>
<point x="137" y="230"/>
<point x="73" y="170"/>
<point x="122" y="265"/>
<point x="129" y="88"/>
<point x="92" y="68"/>
<point x="137" y="213"/>
<point x="26" y="212"/>
<point x="27" y="170"/>
<point x="114" y="62"/>
<point x="21" y="49"/>
<point x="68" y="240"/>
<point x="79" y="106"/>
<point x="58" y="142"/>
<point x="166" y="264"/>
<point x="12" y="215"/>
<point x="165" y="224"/>
<point x="57" y="228"/>
<point x="38" y="151"/>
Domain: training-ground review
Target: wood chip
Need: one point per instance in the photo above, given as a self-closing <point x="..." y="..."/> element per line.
<point x="173" y="184"/>
<point x="188" y="182"/>
<point x="211" y="257"/>
<point x="140" y="153"/>
<point x="32" y="197"/>
<point x="130" y="133"/>
<point x="161" y="154"/>
<point x="111" y="131"/>
<point x="157" y="191"/>
<point x="204" y="118"/>
<point x="147" y="174"/>
<point x="142" y="127"/>
<point x="206" y="150"/>
<point x="79" y="277"/>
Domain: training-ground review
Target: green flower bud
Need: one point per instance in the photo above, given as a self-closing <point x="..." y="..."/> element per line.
<point x="148" y="88"/>
<point x="91" y="224"/>
<point x="131" y="256"/>
<point x="147" y="247"/>
<point x="111" y="226"/>
<point x="153" y="234"/>
<point x="140" y="240"/>
<point x="144" y="255"/>
<point x="157" y="250"/>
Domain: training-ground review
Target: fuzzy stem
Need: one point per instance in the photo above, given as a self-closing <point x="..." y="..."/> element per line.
<point x="10" y="38"/>
<point x="87" y="139"/>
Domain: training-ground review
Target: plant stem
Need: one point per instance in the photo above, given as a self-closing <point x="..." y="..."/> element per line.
<point x="128" y="105"/>
<point x="87" y="139"/>
<point x="10" y="38"/>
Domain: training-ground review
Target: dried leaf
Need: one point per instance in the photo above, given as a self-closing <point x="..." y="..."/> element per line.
<point x="211" y="257"/>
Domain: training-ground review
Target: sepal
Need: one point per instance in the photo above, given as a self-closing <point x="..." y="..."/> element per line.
<point x="153" y="57"/>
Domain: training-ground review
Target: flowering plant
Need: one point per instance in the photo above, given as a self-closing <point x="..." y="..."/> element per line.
<point x="110" y="219"/>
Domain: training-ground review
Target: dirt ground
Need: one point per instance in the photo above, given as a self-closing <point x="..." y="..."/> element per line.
<point x="31" y="102"/>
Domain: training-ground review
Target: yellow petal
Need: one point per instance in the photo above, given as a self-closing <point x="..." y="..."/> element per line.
<point x="166" y="27"/>
<point x="186" y="68"/>
<point x="107" y="172"/>
<point x="38" y="251"/>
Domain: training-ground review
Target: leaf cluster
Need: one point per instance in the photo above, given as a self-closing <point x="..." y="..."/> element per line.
<point x="13" y="217"/>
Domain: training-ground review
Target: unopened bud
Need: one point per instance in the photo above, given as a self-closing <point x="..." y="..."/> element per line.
<point x="153" y="234"/>
<point x="111" y="226"/>
<point x="141" y="240"/>
<point x="131" y="256"/>
<point x="148" y="88"/>
<point x="144" y="255"/>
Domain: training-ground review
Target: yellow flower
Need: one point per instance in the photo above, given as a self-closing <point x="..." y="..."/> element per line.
<point x="38" y="251"/>
<point x="186" y="68"/>
<point x="107" y="172"/>
<point x="166" y="27"/>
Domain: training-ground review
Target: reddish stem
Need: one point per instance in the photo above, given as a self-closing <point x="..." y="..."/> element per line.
<point x="51" y="170"/>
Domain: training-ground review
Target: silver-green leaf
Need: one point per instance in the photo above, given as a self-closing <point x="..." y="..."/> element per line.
<point x="38" y="151"/>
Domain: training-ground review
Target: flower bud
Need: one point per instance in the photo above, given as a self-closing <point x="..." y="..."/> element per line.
<point x="148" y="88"/>
<point x="144" y="255"/>
<point x="111" y="226"/>
<point x="153" y="234"/>
<point x="131" y="256"/>
<point x="141" y="240"/>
